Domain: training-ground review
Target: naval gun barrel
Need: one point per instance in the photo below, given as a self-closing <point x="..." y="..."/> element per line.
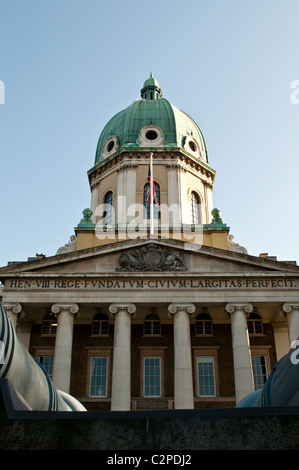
<point x="27" y="375"/>
<point x="282" y="386"/>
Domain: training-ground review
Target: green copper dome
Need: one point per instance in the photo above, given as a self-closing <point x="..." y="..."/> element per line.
<point x="151" y="121"/>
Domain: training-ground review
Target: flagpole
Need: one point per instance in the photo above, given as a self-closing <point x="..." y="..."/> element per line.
<point x="152" y="198"/>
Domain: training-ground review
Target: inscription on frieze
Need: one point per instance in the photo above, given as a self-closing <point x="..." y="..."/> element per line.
<point x="200" y="283"/>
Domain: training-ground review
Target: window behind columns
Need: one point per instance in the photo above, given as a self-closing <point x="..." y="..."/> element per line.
<point x="206" y="372"/>
<point x="47" y="363"/>
<point x="203" y="324"/>
<point x="152" y="325"/>
<point x="152" y="376"/>
<point x="259" y="368"/>
<point x="255" y="324"/>
<point x="206" y="376"/>
<point x="49" y="325"/>
<point x="98" y="376"/>
<point x="100" y="325"/>
<point x="98" y="385"/>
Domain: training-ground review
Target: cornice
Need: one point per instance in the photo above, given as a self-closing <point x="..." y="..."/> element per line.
<point x="174" y="158"/>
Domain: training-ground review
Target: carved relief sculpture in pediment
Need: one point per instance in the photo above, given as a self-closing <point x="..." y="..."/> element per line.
<point x="152" y="258"/>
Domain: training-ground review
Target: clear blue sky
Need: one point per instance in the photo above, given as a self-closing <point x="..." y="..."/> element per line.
<point x="69" y="65"/>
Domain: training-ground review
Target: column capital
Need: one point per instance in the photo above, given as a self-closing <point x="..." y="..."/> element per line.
<point x="127" y="307"/>
<point x="177" y="307"/>
<point x="70" y="307"/>
<point x="237" y="306"/>
<point x="13" y="307"/>
<point x="288" y="307"/>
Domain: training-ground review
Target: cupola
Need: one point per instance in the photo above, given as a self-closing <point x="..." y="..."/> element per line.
<point x="151" y="89"/>
<point x="151" y="132"/>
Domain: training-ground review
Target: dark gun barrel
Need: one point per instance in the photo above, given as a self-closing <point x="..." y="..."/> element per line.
<point x="27" y="375"/>
<point x="282" y="386"/>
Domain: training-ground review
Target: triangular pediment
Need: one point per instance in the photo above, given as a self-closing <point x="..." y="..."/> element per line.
<point x="149" y="255"/>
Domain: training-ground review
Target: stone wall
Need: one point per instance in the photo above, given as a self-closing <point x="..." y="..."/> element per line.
<point x="222" y="429"/>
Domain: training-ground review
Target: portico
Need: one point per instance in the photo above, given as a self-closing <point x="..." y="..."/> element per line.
<point x="178" y="297"/>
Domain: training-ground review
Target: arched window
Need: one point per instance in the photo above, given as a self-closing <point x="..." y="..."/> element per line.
<point x="108" y="209"/>
<point x="146" y="202"/>
<point x="195" y="208"/>
<point x="152" y="324"/>
<point x="100" y="325"/>
<point x="203" y="324"/>
<point x="255" y="324"/>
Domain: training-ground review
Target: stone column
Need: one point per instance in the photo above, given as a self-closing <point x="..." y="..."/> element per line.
<point x="63" y="345"/>
<point x="244" y="384"/>
<point x="292" y="311"/>
<point x="183" y="383"/>
<point x="121" y="372"/>
<point x="13" y="310"/>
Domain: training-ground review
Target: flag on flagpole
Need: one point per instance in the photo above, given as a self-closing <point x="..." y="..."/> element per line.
<point x="151" y="194"/>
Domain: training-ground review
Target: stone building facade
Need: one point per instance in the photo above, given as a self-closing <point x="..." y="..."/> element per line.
<point x="165" y="312"/>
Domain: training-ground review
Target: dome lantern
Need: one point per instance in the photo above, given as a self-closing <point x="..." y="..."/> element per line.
<point x="151" y="89"/>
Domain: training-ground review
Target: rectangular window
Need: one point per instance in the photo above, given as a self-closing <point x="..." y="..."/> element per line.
<point x="98" y="376"/>
<point x="152" y="376"/>
<point x="100" y="328"/>
<point x="49" y="327"/>
<point x="206" y="376"/>
<point x="259" y="369"/>
<point x="203" y="327"/>
<point x="47" y="363"/>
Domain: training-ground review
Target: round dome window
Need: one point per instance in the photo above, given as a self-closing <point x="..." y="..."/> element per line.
<point x="192" y="146"/>
<point x="151" y="135"/>
<point x="110" y="146"/>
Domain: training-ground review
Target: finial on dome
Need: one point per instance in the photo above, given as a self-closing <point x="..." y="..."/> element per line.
<point x="151" y="89"/>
